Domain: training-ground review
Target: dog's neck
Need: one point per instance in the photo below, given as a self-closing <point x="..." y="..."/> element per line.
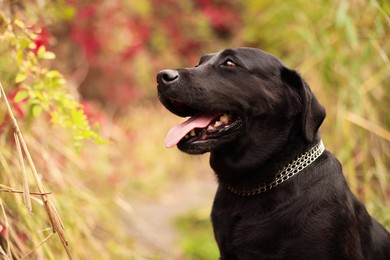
<point x="288" y="171"/>
<point x="230" y="170"/>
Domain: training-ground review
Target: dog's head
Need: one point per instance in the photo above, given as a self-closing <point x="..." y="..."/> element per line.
<point x="237" y="97"/>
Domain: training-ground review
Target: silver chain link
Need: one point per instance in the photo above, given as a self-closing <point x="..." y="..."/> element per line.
<point x="286" y="173"/>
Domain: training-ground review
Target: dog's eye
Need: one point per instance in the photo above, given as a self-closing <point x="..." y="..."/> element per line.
<point x="229" y="63"/>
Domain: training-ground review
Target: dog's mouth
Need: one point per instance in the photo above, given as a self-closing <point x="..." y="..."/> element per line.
<point x="202" y="128"/>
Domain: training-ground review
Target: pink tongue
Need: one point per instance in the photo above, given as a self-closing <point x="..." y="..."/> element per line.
<point x="177" y="132"/>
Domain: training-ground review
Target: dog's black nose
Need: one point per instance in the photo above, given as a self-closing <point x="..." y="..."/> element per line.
<point x="166" y="77"/>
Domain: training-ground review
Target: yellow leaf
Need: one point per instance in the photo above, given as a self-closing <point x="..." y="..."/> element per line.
<point x="21" y="76"/>
<point x="19" y="23"/>
<point x="48" y="55"/>
<point x="20" y="96"/>
<point x="32" y="45"/>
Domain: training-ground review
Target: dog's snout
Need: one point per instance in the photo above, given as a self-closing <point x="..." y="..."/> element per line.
<point x="166" y="77"/>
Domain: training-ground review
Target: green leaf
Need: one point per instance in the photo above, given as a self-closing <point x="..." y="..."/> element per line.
<point x="20" y="96"/>
<point x="52" y="74"/>
<point x="19" y="56"/>
<point x="21" y="76"/>
<point x="41" y="52"/>
<point x="69" y="12"/>
<point x="36" y="111"/>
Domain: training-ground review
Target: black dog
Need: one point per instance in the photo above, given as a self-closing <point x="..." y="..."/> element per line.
<point x="280" y="195"/>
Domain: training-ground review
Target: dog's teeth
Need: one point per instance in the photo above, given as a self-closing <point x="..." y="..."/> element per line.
<point x="210" y="128"/>
<point x="192" y="133"/>
<point x="217" y="123"/>
<point x="225" y="118"/>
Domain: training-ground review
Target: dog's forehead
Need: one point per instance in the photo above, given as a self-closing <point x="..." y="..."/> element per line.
<point x="207" y="57"/>
<point x="246" y="55"/>
<point x="215" y="55"/>
<point x="210" y="57"/>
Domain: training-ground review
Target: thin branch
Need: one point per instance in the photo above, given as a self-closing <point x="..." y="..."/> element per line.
<point x="26" y="193"/>
<point x="44" y="241"/>
<point x="2" y="253"/>
<point x="31" y="192"/>
<point x="7" y="227"/>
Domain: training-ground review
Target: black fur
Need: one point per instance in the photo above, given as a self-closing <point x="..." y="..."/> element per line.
<point x="313" y="215"/>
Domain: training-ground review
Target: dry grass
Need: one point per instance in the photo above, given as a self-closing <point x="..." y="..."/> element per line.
<point x="22" y="149"/>
<point x="92" y="190"/>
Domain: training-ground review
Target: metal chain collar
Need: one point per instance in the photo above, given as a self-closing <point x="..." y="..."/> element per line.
<point x="286" y="173"/>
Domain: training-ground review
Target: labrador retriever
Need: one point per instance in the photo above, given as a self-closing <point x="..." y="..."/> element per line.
<point x="281" y="195"/>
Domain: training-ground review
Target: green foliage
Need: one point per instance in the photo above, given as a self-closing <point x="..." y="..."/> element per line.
<point x="41" y="89"/>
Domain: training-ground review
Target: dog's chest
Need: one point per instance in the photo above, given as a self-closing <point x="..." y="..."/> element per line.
<point x="249" y="226"/>
<point x="239" y="224"/>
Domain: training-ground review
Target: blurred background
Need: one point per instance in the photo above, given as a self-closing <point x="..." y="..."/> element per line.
<point x="80" y="77"/>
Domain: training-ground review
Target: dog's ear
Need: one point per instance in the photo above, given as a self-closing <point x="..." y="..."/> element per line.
<point x="313" y="113"/>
